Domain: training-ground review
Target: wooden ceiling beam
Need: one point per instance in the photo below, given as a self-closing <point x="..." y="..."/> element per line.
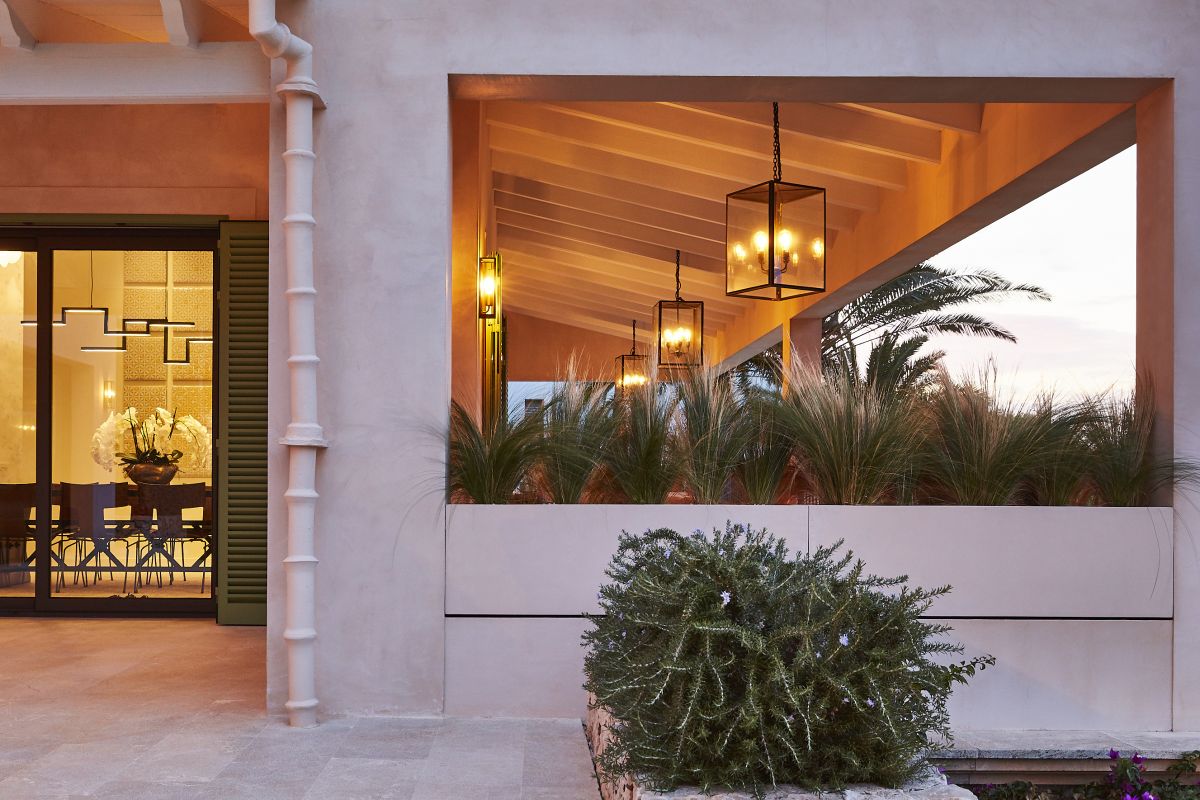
<point x="726" y="133"/>
<point x="638" y="231"/>
<point x="702" y="171"/>
<point x="586" y="284"/>
<point x="575" y="319"/>
<point x="641" y="194"/>
<point x="608" y="240"/>
<point x="961" y="117"/>
<point x="625" y="266"/>
<point x="800" y="123"/>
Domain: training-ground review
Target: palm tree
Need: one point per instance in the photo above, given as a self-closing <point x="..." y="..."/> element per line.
<point x="895" y="321"/>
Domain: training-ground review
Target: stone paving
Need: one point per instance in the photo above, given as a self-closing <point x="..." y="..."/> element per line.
<point x="173" y="710"/>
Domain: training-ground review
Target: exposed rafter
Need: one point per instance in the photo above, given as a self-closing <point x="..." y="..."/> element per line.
<point x="13" y="31"/>
<point x="961" y="117"/>
<point x="183" y="20"/>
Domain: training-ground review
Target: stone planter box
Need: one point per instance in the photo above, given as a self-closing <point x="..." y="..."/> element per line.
<point x="931" y="786"/>
<point x="1050" y="592"/>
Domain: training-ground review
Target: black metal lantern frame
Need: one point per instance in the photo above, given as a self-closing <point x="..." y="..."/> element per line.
<point x="680" y="330"/>
<point x="632" y="369"/>
<point x="775" y="236"/>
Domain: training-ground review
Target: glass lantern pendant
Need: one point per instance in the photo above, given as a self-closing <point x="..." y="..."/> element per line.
<point x="631" y="367"/>
<point x="680" y="330"/>
<point x="775" y="237"/>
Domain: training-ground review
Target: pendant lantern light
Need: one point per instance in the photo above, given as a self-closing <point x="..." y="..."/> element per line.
<point x="631" y="368"/>
<point x="775" y="236"/>
<point x="680" y="330"/>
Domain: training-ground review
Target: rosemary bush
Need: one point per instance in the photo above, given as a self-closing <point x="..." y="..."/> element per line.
<point x="727" y="663"/>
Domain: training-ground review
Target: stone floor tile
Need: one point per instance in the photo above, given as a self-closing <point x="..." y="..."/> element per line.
<point x="365" y="778"/>
<point x="187" y="757"/>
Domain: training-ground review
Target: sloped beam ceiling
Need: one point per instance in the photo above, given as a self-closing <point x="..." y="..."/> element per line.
<point x="13" y="32"/>
<point x="180" y="22"/>
<point x="961" y="117"/>
<point x="49" y="23"/>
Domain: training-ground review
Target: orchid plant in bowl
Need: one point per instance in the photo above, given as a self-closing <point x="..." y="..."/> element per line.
<point x="155" y="456"/>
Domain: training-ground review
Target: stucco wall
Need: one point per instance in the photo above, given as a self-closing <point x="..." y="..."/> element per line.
<point x="383" y="216"/>
<point x="136" y="159"/>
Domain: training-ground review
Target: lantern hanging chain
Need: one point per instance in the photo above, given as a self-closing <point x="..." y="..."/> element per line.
<point x="775" y="125"/>
<point x="633" y="349"/>
<point x="678" y="286"/>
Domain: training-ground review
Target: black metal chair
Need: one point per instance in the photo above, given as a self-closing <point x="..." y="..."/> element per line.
<point x="167" y="504"/>
<point x="17" y="532"/>
<point x="83" y="523"/>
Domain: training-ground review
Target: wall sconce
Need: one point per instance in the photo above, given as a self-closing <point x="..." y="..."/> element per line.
<point x="680" y="330"/>
<point x="775" y="236"/>
<point x="489" y="286"/>
<point x="108" y="393"/>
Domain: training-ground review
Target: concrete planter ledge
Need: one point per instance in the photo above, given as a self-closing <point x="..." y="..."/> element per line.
<point x="931" y="785"/>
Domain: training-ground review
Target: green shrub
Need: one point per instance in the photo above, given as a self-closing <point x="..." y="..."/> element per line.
<point x="763" y="471"/>
<point x="712" y="436"/>
<point x="853" y="447"/>
<point x="488" y="462"/>
<point x="727" y="663"/>
<point x="579" y="423"/>
<point x="642" y="458"/>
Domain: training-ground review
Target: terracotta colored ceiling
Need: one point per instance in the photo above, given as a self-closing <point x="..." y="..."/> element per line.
<point x="59" y="21"/>
<point x="592" y="198"/>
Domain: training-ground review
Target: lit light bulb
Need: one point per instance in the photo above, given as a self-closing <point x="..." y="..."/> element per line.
<point x="487" y="285"/>
<point x="739" y="252"/>
<point x="818" y="248"/>
<point x="785" y="240"/>
<point x="9" y="257"/>
<point x="761" y="241"/>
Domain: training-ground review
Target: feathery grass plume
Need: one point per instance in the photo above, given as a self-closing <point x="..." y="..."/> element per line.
<point x="853" y="447"/>
<point x="579" y="423"/>
<point x="729" y="664"/>
<point x="642" y="460"/>
<point x="488" y="463"/>
<point x="982" y="451"/>
<point x="1062" y="476"/>
<point x="764" y="473"/>
<point x="713" y="434"/>
<point x="1125" y="471"/>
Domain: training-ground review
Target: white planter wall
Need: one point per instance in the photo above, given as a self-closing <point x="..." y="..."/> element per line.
<point x="1075" y="603"/>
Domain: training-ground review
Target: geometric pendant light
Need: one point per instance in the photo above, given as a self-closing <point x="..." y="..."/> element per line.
<point x="775" y="235"/>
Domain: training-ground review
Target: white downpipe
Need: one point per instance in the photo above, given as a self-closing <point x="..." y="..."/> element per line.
<point x="304" y="435"/>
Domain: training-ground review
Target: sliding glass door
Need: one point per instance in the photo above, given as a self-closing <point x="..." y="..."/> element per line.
<point x="108" y="493"/>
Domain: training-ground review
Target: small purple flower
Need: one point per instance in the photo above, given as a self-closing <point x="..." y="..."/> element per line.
<point x="870" y="703"/>
<point x="1137" y="759"/>
<point x="667" y="552"/>
<point x="818" y="654"/>
<point x="725" y="598"/>
<point x="1114" y="754"/>
<point x="1148" y="796"/>
<point x="941" y="770"/>
<point x="1128" y="797"/>
<point x="845" y="699"/>
<point x="844" y="640"/>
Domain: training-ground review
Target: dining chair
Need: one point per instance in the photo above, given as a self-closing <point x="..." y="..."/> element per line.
<point x="17" y="531"/>
<point x="83" y="522"/>
<point x="168" y="502"/>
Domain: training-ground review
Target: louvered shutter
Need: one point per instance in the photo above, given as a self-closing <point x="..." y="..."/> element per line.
<point x="242" y="453"/>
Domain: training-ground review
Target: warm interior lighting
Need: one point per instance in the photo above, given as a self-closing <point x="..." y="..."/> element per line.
<point x="631" y="367"/>
<point x="10" y="257"/>
<point x="818" y="248"/>
<point x="489" y="285"/>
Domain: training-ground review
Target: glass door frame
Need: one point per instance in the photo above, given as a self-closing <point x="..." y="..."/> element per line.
<point x="44" y="241"/>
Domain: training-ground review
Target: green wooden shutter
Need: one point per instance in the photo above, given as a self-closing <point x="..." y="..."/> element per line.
<point x="242" y="452"/>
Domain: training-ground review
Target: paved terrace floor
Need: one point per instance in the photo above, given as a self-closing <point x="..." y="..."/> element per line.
<point x="173" y="710"/>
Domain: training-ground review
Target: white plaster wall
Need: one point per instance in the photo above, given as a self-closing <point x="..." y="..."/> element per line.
<point x="1007" y="561"/>
<point x="383" y="245"/>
